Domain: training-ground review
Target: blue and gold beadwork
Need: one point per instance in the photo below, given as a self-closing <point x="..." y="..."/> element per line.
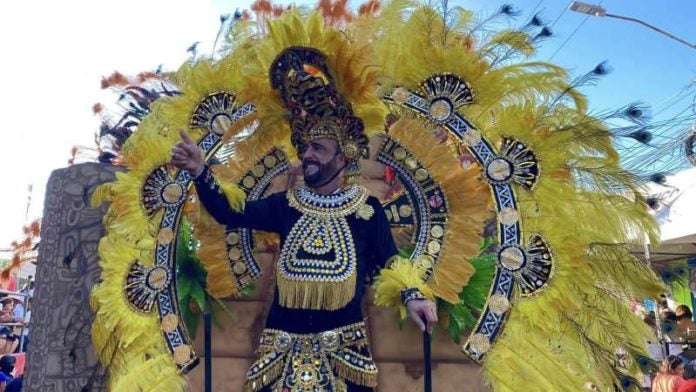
<point x="317" y="266"/>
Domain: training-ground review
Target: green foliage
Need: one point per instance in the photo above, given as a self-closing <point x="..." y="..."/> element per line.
<point x="463" y="316"/>
<point x="191" y="282"/>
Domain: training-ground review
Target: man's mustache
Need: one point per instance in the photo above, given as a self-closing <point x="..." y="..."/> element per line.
<point x="309" y="162"/>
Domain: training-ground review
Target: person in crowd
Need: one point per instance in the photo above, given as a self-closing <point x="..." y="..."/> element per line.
<point x="5" y="381"/>
<point x="25" y="330"/>
<point x="655" y="349"/>
<point x="684" y="320"/>
<point x="689" y="376"/>
<point x="28" y="287"/>
<point x="7" y="365"/>
<point x="15" y="385"/>
<point x="9" y="343"/>
<point x="669" y="378"/>
<point x="12" y="310"/>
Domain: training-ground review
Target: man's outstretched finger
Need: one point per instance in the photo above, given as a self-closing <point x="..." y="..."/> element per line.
<point x="184" y="136"/>
<point x="187" y="144"/>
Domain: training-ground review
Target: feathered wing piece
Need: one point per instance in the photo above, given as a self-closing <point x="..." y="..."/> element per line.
<point x="545" y="174"/>
<point x="127" y="334"/>
<point x="562" y="238"/>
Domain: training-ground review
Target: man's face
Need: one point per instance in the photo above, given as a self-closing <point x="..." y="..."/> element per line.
<point x="320" y="161"/>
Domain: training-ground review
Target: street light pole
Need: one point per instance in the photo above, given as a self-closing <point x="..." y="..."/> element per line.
<point x="595" y="10"/>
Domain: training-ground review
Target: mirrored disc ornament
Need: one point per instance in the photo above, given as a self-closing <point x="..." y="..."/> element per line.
<point x="480" y="343"/>
<point x="512" y="258"/>
<point x="400" y="95"/>
<point x="472" y="137"/>
<point x="498" y="304"/>
<point x="499" y="171"/>
<point x="441" y="109"/>
<point x="508" y="216"/>
<point x="220" y="124"/>
<point x="173" y="193"/>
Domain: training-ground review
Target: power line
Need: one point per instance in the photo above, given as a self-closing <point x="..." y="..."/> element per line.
<point x="571" y="35"/>
<point x="531" y="14"/>
<point x="559" y="17"/>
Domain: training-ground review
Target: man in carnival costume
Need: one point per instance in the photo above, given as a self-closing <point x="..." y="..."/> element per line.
<point x="334" y="237"/>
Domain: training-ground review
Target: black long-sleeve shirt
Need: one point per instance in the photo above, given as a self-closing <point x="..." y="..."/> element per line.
<point x="372" y="238"/>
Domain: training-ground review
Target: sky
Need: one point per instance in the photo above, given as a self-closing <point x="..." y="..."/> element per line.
<point x="55" y="54"/>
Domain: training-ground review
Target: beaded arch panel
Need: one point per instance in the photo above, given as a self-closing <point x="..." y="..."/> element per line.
<point x="166" y="191"/>
<point x="527" y="265"/>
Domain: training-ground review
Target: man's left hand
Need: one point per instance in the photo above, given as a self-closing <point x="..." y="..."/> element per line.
<point x="423" y="313"/>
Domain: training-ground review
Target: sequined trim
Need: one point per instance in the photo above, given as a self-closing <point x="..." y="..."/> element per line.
<point x="342" y="203"/>
<point x="313" y="362"/>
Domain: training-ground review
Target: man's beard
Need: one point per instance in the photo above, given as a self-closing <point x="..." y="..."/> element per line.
<point x="324" y="173"/>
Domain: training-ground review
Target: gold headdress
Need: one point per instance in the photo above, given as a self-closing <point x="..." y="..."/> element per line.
<point x="316" y="109"/>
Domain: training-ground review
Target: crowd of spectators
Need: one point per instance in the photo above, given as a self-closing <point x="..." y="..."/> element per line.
<point x="673" y="347"/>
<point x="15" y="317"/>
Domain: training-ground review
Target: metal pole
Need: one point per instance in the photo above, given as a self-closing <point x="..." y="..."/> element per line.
<point x="692" y="46"/>
<point x="208" y="353"/>
<point x="427" y="377"/>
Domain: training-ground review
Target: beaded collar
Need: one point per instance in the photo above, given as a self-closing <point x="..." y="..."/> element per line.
<point x="342" y="203"/>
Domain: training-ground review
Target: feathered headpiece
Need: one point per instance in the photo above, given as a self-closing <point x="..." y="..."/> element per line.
<point x="316" y="109"/>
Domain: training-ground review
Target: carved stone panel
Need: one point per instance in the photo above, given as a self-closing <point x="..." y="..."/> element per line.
<point x="60" y="356"/>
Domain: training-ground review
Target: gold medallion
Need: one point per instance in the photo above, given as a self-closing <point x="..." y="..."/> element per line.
<point x="173" y="193"/>
<point x="182" y="354"/>
<point x="239" y="268"/>
<point x="411" y="163"/>
<point x="472" y="137"/>
<point x="399" y="153"/>
<point x="165" y="236"/>
<point x="511" y="258"/>
<point x="258" y="170"/>
<point x="480" y="343"/>
<point x="233" y="238"/>
<point x="169" y="322"/>
<point x="270" y="161"/>
<point x="440" y="110"/>
<point x="248" y="182"/>
<point x="234" y="254"/>
<point x="400" y="95"/>
<point x="157" y="278"/>
<point x="498" y="304"/>
<point x="508" y="216"/>
<point x="365" y="211"/>
<point x="437" y="231"/>
<point x="434" y="247"/>
<point x="221" y="124"/>
<point x="405" y="211"/>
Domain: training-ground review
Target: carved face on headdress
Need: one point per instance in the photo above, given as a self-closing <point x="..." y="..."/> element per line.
<point x="316" y="110"/>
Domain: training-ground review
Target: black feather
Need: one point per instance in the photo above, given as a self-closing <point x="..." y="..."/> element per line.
<point x="508" y="9"/>
<point x="641" y="136"/>
<point x="536" y="21"/>
<point x="658" y="178"/>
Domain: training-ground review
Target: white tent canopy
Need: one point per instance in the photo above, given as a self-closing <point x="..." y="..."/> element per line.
<point x="676" y="211"/>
